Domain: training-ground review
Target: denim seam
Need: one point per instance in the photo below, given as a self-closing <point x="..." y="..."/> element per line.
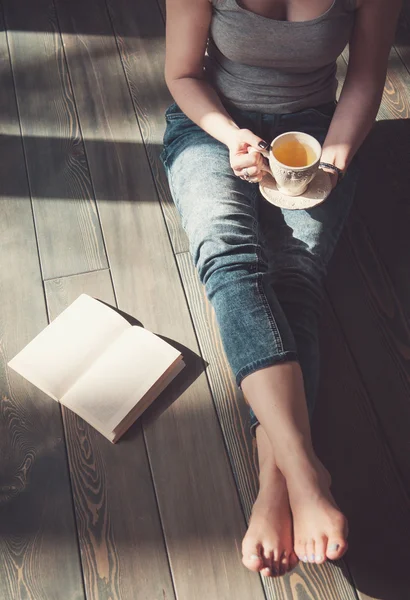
<point x="164" y="156"/>
<point x="271" y="360"/>
<point x="175" y="117"/>
<point x="260" y="290"/>
<point x="253" y="425"/>
<point x="262" y="295"/>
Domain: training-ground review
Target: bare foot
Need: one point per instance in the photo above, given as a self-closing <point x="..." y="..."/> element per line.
<point x="320" y="529"/>
<point x="268" y="544"/>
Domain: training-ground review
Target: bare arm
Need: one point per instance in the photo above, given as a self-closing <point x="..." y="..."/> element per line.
<point x="187" y="29"/>
<point x="362" y="91"/>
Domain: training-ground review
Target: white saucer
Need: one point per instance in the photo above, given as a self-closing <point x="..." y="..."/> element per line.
<point x="318" y="190"/>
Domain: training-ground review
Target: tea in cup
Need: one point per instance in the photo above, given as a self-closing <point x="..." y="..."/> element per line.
<point x="294" y="161"/>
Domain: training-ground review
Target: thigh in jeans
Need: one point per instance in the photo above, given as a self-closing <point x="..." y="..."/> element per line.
<point x="215" y="206"/>
<point x="219" y="214"/>
<point x="318" y="229"/>
<point x="300" y="249"/>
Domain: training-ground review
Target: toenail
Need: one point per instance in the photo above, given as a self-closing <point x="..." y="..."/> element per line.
<point x="334" y="547"/>
<point x="319" y="557"/>
<point x="305" y="559"/>
<point x="255" y="557"/>
<point x="312" y="558"/>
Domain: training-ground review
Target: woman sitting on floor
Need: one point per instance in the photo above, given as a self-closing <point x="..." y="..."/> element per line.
<point x="241" y="73"/>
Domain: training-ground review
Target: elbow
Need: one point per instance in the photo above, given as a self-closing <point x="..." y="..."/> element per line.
<point x="168" y="80"/>
<point x="172" y="79"/>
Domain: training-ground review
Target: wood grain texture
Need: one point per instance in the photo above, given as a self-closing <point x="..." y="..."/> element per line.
<point x="37" y="529"/>
<point x="327" y="582"/>
<point x="366" y="482"/>
<point x="341" y="74"/>
<point x="198" y="502"/>
<point x="377" y="254"/>
<point x="231" y="408"/>
<point x="122" y="547"/>
<point x="372" y="306"/>
<point x="67" y="224"/>
<point x="396" y="98"/>
<point x="162" y="6"/>
<point x="382" y="201"/>
<point x="377" y="331"/>
<point x="402" y="39"/>
<point x="140" y="34"/>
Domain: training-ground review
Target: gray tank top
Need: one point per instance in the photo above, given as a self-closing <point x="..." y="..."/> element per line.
<point x="260" y="64"/>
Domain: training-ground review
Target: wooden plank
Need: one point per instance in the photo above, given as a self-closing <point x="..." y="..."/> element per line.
<point x="231" y="408"/>
<point x="37" y="529"/>
<point x="396" y="100"/>
<point x="161" y="4"/>
<point x="185" y="446"/>
<point x="372" y="261"/>
<point x="327" y="582"/>
<point x="140" y="33"/>
<point x="341" y="74"/>
<point x="367" y="485"/>
<point x="67" y="224"/>
<point x="402" y="39"/>
<point x="377" y="333"/>
<point x="376" y="246"/>
<point x="382" y="201"/>
<point x="122" y="546"/>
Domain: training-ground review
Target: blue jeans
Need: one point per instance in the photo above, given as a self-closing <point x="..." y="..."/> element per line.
<point x="262" y="266"/>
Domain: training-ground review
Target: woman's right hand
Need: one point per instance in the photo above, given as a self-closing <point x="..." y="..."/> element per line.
<point x="245" y="156"/>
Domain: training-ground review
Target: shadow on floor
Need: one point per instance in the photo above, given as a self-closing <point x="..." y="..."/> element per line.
<point x="363" y="415"/>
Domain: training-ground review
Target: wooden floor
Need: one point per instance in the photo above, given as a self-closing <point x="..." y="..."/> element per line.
<point x="85" y="208"/>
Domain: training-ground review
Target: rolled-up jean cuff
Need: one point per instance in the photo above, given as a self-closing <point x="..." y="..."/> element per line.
<point x="254" y="424"/>
<point x="262" y="363"/>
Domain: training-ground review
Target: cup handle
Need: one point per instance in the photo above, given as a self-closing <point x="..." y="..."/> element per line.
<point x="265" y="154"/>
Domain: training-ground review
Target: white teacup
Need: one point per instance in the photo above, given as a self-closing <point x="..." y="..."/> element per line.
<point x="293" y="180"/>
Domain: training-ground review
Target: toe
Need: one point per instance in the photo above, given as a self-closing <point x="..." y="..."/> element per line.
<point x="271" y="562"/>
<point x="276" y="556"/>
<point x="293" y="561"/>
<point x="310" y="551"/>
<point x="253" y="562"/>
<point x="336" y="547"/>
<point x="266" y="572"/>
<point x="300" y="550"/>
<point x="320" y="550"/>
<point x="337" y="544"/>
<point x="284" y="563"/>
<point x="252" y="556"/>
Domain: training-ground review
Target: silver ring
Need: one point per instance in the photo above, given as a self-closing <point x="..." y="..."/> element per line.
<point x="245" y="174"/>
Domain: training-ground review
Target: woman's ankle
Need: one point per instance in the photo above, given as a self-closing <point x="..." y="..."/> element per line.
<point x="293" y="449"/>
<point x="302" y="466"/>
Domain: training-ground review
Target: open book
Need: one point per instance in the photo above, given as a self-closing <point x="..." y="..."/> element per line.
<point x="98" y="365"/>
